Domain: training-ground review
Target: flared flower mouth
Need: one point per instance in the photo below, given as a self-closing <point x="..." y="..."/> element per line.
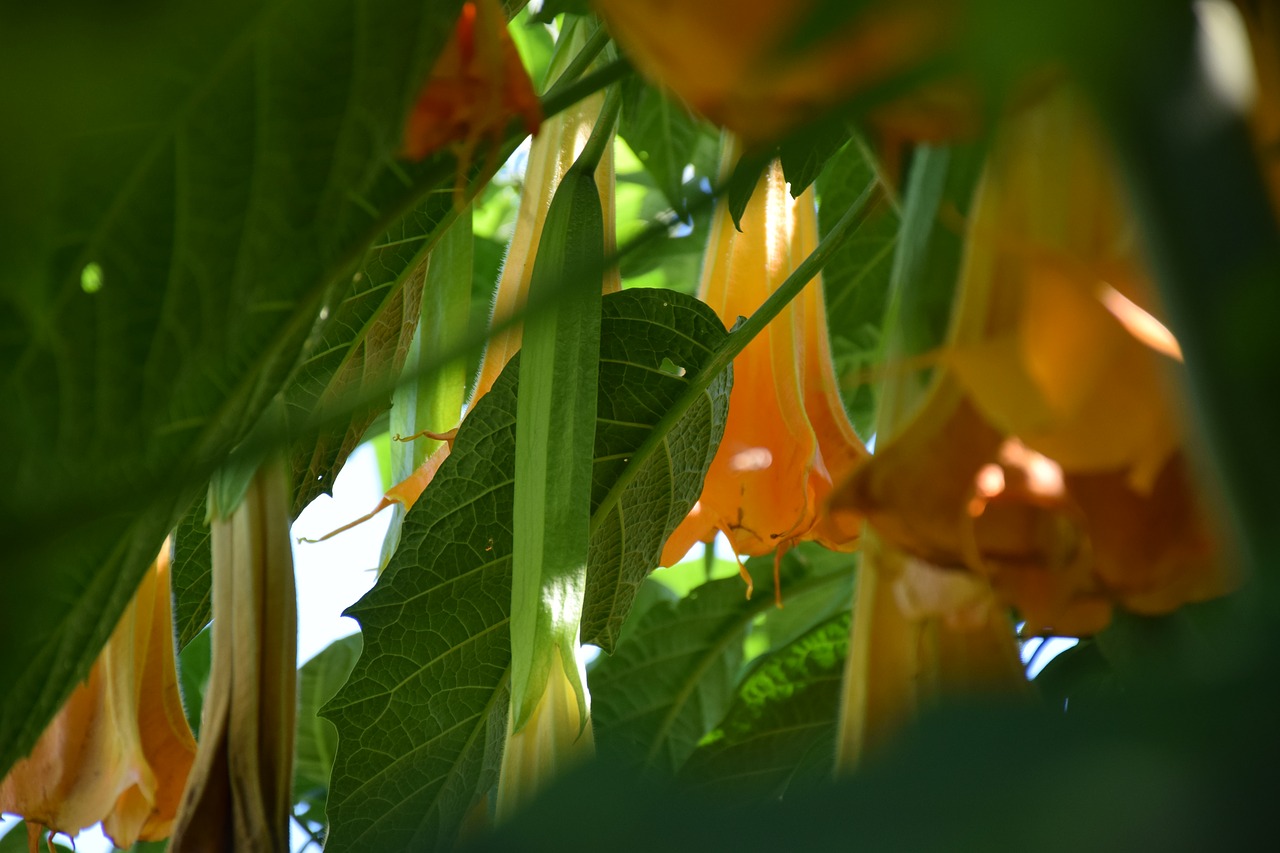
<point x="1047" y="457"/>
<point x="120" y="750"/>
<point x="787" y="438"/>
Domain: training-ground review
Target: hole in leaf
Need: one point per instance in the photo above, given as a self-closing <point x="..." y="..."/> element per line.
<point x="91" y="278"/>
<point x="669" y="366"/>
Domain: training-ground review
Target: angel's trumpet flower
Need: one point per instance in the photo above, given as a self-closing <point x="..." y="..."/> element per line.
<point x="787" y="438"/>
<point x="477" y="86"/>
<point x="120" y="750"/>
<point x="1047" y="456"/>
<point x="551" y="153"/>
<point x="919" y="634"/>
<point x="736" y="62"/>
<point x="239" y="796"/>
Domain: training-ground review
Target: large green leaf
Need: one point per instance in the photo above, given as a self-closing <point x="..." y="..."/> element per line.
<point x="217" y="170"/>
<point x="422" y="719"/>
<point x="317" y="740"/>
<point x="673" y="679"/>
<point x="780" y="729"/>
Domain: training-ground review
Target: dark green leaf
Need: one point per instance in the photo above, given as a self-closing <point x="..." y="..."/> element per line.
<point x="805" y="155"/>
<point x="658" y="694"/>
<point x="317" y="739"/>
<point x="194" y="663"/>
<point x="221" y="168"/>
<point x="743" y="180"/>
<point x="671" y="683"/>
<point x="780" y="730"/>
<point x="1077" y="678"/>
<point x="663" y="135"/>
<point x="437" y="646"/>
<point x="627" y="538"/>
<point x="192" y="573"/>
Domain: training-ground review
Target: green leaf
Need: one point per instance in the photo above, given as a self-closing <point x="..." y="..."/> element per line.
<point x="662" y="133"/>
<point x="1078" y="678"/>
<point x="362" y="343"/>
<point x="224" y="166"/>
<point x="437" y="644"/>
<point x="432" y="392"/>
<point x="673" y="679"/>
<point x="856" y="280"/>
<point x="658" y="694"/>
<point x="317" y="739"/>
<point x="194" y="663"/>
<point x="780" y="730"/>
<point x="804" y="156"/>
<point x="192" y="573"/>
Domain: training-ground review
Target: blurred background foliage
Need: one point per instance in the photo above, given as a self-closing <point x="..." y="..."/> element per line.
<point x="126" y="134"/>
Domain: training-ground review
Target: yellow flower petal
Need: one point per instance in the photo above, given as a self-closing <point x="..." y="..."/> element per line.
<point x="120" y="750"/>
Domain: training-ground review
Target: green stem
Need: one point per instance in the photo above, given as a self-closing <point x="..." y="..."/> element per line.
<point x="601" y="134"/>
<point x="561" y="97"/>
<point x="582" y="60"/>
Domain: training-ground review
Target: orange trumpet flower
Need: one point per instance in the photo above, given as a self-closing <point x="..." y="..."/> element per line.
<point x="120" y="750"/>
<point x="787" y="439"/>
<point x="1047" y="457"/>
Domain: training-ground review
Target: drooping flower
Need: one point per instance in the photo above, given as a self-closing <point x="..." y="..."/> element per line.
<point x="787" y="439"/>
<point x="1048" y="456"/>
<point x="920" y="634"/>
<point x="476" y="88"/>
<point x="120" y="750"/>
<point x="239" y="797"/>
<point x="735" y="61"/>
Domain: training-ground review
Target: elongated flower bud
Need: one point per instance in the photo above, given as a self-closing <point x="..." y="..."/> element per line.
<point x="787" y="438"/>
<point x="120" y="750"/>
<point x="239" y="795"/>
